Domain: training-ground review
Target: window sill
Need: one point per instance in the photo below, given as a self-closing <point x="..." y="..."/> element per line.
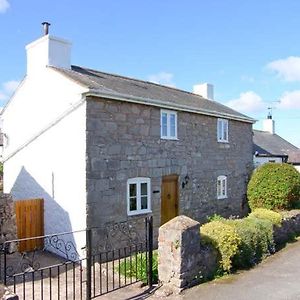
<point x="222" y="197"/>
<point x="169" y="138"/>
<point x="139" y="212"/>
<point x="223" y="141"/>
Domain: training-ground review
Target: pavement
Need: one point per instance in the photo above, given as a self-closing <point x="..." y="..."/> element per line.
<point x="276" y="278"/>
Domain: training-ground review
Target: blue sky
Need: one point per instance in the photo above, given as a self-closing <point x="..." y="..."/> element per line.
<point x="249" y="50"/>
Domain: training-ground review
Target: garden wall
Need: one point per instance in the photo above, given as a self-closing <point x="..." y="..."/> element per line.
<point x="8" y="228"/>
<point x="180" y="267"/>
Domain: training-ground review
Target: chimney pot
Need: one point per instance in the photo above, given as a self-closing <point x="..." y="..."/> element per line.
<point x="46" y="27"/>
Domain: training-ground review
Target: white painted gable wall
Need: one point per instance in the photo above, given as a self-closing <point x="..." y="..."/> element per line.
<point x="52" y="165"/>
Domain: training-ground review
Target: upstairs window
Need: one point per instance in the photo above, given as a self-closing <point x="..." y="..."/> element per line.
<point x="222" y="187"/>
<point x="222" y="131"/>
<point x="138" y="196"/>
<point x="168" y="124"/>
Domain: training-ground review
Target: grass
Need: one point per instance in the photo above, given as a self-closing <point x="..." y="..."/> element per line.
<point x="136" y="267"/>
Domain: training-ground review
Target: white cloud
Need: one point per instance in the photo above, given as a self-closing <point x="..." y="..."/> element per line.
<point x="248" y="102"/>
<point x="8" y="88"/>
<point x="163" y="78"/>
<point x="287" y="69"/>
<point x="290" y="100"/>
<point x="4" y="6"/>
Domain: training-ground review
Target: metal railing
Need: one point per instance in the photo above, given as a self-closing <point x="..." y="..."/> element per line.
<point x="114" y="257"/>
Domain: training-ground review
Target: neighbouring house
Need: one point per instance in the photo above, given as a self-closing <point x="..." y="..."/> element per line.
<point x="100" y="148"/>
<point x="270" y="147"/>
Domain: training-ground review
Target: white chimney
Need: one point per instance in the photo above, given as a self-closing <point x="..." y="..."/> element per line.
<point x="269" y="124"/>
<point x="205" y="90"/>
<point x="48" y="51"/>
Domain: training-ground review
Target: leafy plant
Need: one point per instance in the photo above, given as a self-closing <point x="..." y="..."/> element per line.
<point x="267" y="214"/>
<point x="256" y="241"/>
<point x="215" y="217"/>
<point x="224" y="238"/>
<point x="136" y="267"/>
<point x="274" y="186"/>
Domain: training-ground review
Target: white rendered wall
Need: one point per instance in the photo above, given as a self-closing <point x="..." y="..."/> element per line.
<point x="262" y="160"/>
<point x="297" y="168"/>
<point x="51" y="166"/>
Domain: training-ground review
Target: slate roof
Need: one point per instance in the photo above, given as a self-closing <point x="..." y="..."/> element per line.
<point x="267" y="144"/>
<point x="104" y="83"/>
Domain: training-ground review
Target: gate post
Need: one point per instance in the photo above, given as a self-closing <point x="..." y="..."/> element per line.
<point x="88" y="264"/>
<point x="149" y="220"/>
<point x="4" y="265"/>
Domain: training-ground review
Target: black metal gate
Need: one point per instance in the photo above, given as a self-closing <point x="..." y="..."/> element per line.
<point x="115" y="256"/>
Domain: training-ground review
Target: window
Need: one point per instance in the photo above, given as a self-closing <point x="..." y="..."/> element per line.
<point x="138" y="196"/>
<point x="168" y="124"/>
<point x="222" y="187"/>
<point x="222" y="130"/>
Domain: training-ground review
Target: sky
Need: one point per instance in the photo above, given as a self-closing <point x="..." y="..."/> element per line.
<point x="249" y="50"/>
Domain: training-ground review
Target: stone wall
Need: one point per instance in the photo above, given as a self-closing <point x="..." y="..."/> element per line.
<point x="179" y="253"/>
<point x="8" y="229"/>
<point x="184" y="261"/>
<point x="289" y="228"/>
<point x="123" y="141"/>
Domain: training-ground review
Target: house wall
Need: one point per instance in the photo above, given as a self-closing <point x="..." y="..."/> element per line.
<point x="123" y="141"/>
<point x="297" y="168"/>
<point x="258" y="161"/>
<point x="45" y="155"/>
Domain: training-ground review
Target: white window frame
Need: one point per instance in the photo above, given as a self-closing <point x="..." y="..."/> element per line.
<point x="222" y="193"/>
<point x="138" y="181"/>
<point x="169" y="113"/>
<point x="222" y="130"/>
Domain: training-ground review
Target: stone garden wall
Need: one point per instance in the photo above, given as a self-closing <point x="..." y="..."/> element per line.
<point x="184" y="261"/>
<point x="8" y="228"/>
<point x="8" y="231"/>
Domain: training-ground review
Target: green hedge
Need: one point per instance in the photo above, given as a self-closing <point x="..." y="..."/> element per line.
<point x="274" y="186"/>
<point x="224" y="238"/>
<point x="262" y="213"/>
<point x="256" y="241"/>
<point x="242" y="243"/>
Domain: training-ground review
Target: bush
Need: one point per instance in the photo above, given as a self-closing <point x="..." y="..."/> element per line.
<point x="256" y="241"/>
<point x="215" y="217"/>
<point x="274" y="186"/>
<point x="224" y="238"/>
<point x="136" y="267"/>
<point x="262" y="213"/>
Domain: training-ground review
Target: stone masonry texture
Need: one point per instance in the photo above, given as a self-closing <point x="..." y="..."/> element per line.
<point x="179" y="253"/>
<point x="123" y="141"/>
<point x="8" y="229"/>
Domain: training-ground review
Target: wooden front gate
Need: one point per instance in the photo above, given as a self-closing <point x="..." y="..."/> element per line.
<point x="30" y="223"/>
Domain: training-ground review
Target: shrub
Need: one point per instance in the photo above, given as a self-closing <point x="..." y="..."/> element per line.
<point x="274" y="186"/>
<point x="262" y="213"/>
<point x="215" y="217"/>
<point x="224" y="238"/>
<point x="136" y="267"/>
<point x="256" y="241"/>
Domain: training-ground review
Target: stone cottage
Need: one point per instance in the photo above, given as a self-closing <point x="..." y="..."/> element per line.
<point x="101" y="148"/>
